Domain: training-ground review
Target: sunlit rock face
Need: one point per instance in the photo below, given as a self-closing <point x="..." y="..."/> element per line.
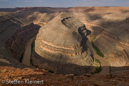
<point x="60" y="46"/>
<point x="114" y="43"/>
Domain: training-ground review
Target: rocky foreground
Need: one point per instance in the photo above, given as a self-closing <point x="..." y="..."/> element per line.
<point x="51" y="79"/>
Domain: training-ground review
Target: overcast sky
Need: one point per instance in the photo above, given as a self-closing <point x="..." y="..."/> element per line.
<point x="61" y="3"/>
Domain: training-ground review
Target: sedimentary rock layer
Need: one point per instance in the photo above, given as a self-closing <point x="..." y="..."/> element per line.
<point x="114" y="43"/>
<point x="60" y="46"/>
<point x="14" y="33"/>
<point x="17" y="42"/>
<point x="108" y="24"/>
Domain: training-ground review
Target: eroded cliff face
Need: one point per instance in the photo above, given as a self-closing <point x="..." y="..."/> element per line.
<point x="114" y="43"/>
<point x="17" y="42"/>
<point x="60" y="46"/>
<point x="14" y="33"/>
<point x="110" y="28"/>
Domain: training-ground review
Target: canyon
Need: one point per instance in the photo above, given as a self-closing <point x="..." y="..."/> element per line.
<point x="105" y="24"/>
<point x="66" y="40"/>
<point x="13" y="30"/>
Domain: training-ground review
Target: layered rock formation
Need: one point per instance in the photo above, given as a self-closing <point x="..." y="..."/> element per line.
<point x="60" y="46"/>
<point x="16" y="43"/>
<point x="108" y="24"/>
<point x="14" y="33"/>
<point x="114" y="43"/>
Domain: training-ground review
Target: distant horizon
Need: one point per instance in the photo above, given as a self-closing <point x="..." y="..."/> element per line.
<point x="60" y="7"/>
<point x="63" y="3"/>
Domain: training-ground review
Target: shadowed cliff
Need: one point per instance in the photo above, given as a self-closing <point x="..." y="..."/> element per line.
<point x="14" y="33"/>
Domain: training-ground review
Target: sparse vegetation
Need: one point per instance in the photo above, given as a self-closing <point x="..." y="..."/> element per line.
<point x="76" y="85"/>
<point x="21" y="57"/>
<point x="51" y="71"/>
<point x="32" y="46"/>
<point x="98" y="69"/>
<point x="97" y="50"/>
<point x="32" y="63"/>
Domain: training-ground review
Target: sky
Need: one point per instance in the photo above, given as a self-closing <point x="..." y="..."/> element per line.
<point x="62" y="3"/>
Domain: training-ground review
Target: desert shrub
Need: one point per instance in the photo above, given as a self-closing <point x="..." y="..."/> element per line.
<point x="32" y="46"/>
<point x="21" y="57"/>
<point x="51" y="71"/>
<point x="97" y="50"/>
<point x="98" y="69"/>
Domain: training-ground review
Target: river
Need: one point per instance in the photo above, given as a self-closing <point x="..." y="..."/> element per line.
<point x="27" y="53"/>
